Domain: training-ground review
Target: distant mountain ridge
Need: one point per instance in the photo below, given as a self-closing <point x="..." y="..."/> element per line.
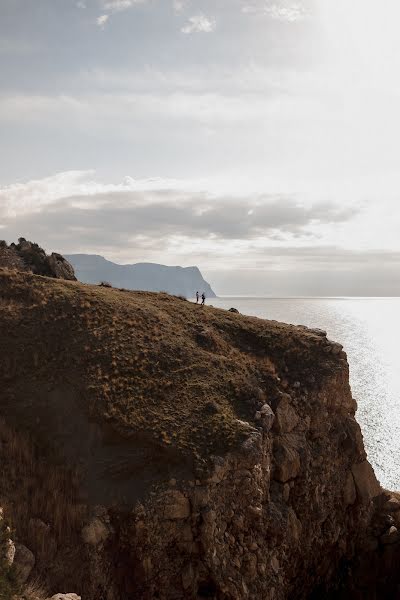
<point x="151" y="277"/>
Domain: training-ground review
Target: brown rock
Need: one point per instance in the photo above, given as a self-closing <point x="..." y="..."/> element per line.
<point x="95" y="533"/>
<point x="392" y="536"/>
<point x="349" y="490"/>
<point x="250" y="564"/>
<point x="219" y="470"/>
<point x="177" y="506"/>
<point x="188" y="577"/>
<point x="392" y="505"/>
<point x="27" y="256"/>
<point x="65" y="597"/>
<point x="286" y="492"/>
<point x="294" y="525"/>
<point x="60" y="267"/>
<point x="366" y="482"/>
<point x="201" y="496"/>
<point x="275" y="564"/>
<point x="24" y="561"/>
<point x="9" y="553"/>
<point x="266" y="417"/>
<point x="287" y="462"/>
<point x="286" y="418"/>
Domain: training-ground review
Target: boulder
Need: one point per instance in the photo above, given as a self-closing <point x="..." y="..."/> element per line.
<point x="366" y="482"/>
<point x="95" y="533"/>
<point x="266" y="417"/>
<point x="65" y="597"/>
<point x="391" y="536"/>
<point x="336" y="348"/>
<point x="294" y="525"/>
<point x="24" y="561"/>
<point x="392" y="505"/>
<point x="286" y="418"/>
<point x="233" y="310"/>
<point x="287" y="462"/>
<point x="177" y="506"/>
<point x="188" y="576"/>
<point x="60" y="267"/>
<point x="349" y="490"/>
<point x="9" y="552"/>
<point x="28" y="256"/>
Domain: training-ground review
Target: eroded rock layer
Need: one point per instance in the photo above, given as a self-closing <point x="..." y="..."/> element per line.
<point x="175" y="451"/>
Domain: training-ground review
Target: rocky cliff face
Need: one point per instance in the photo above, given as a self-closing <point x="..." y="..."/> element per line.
<point x="27" y="256"/>
<point x="152" y="448"/>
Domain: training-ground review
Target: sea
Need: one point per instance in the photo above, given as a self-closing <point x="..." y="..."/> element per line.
<point x="369" y="330"/>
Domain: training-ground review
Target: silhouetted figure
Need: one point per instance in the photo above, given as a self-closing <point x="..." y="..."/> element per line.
<point x="197" y="297"/>
<point x="203" y="299"/>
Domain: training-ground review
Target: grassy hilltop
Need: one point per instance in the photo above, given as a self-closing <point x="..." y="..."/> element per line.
<point x="150" y="365"/>
<point x="115" y="407"/>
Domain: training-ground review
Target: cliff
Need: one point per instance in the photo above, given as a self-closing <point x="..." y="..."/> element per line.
<point x="152" y="448"/>
<point x="150" y="277"/>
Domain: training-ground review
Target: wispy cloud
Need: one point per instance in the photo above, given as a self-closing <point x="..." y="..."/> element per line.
<point x="179" y="5"/>
<point x="199" y="24"/>
<point x="162" y="206"/>
<point x="133" y="220"/>
<point x="102" y="20"/>
<point x="119" y="5"/>
<point x="282" y="11"/>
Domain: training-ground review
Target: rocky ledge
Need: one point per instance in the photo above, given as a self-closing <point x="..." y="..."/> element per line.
<point x="155" y="449"/>
<point x="28" y="256"/>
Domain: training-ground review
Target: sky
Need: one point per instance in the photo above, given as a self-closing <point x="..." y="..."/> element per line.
<point x="256" y="139"/>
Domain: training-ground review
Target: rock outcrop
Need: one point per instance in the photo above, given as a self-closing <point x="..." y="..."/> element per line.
<point x="190" y="453"/>
<point x="27" y="256"/>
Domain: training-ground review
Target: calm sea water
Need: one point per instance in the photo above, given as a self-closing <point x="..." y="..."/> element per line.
<point x="369" y="329"/>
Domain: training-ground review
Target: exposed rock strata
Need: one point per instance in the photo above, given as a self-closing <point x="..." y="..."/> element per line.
<point x="218" y="456"/>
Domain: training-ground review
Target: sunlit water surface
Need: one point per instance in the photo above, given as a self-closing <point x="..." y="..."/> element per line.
<point x="369" y="329"/>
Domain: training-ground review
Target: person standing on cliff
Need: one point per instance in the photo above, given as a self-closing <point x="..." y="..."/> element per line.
<point x="197" y="297"/>
<point x="203" y="299"/>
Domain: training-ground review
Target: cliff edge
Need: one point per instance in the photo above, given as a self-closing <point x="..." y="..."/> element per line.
<point x="152" y="448"/>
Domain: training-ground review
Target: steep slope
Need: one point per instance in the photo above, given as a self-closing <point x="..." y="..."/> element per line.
<point x="152" y="448"/>
<point x="142" y="276"/>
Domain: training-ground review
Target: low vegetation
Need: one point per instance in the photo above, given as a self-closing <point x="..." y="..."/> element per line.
<point x="148" y="363"/>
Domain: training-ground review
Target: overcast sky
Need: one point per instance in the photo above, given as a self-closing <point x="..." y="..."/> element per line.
<point x="256" y="139"/>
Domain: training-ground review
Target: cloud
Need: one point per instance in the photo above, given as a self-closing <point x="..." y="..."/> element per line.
<point x="102" y="20"/>
<point x="179" y="5"/>
<point x="81" y="4"/>
<point x="283" y="11"/>
<point x="237" y="239"/>
<point x="199" y="24"/>
<point x="20" y="199"/>
<point x="120" y="5"/>
<point x="97" y="109"/>
<point x="76" y="210"/>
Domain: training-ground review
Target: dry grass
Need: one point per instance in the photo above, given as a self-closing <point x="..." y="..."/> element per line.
<point x="31" y="486"/>
<point x="154" y="372"/>
<point x="34" y="590"/>
<point x="149" y="363"/>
